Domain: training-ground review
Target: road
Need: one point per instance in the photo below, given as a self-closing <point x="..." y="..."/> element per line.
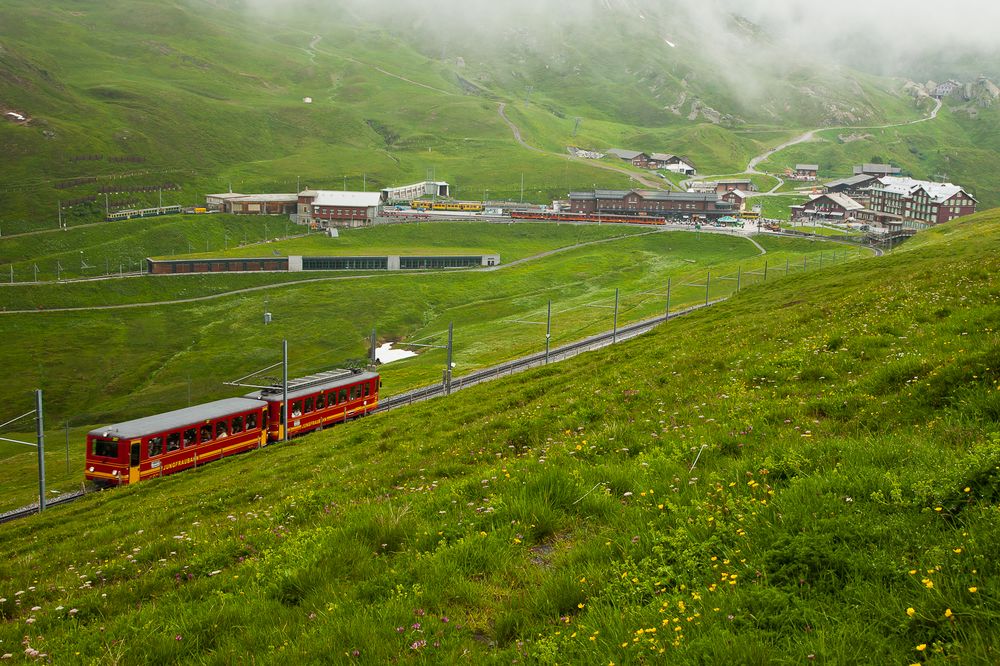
<point x="810" y="136"/>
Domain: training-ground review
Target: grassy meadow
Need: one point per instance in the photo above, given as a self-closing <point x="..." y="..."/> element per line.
<point x="141" y="360"/>
<point x="805" y="473"/>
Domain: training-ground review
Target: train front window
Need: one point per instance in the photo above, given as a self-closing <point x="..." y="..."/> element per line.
<point x="105" y="448"/>
<point x="155" y="446"/>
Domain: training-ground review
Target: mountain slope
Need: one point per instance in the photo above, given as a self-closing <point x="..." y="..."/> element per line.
<point x="780" y="478"/>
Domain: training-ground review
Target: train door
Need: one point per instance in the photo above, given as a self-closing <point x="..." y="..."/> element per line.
<point x="133" y="463"/>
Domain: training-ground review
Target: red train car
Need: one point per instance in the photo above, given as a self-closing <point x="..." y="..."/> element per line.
<point x="320" y="400"/>
<point x="128" y="452"/>
<point x="586" y="217"/>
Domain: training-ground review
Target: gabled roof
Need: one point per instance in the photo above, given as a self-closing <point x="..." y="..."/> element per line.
<point x="853" y="181"/>
<point x="938" y="192"/>
<point x="663" y="157"/>
<point x="842" y="200"/>
<point x="807" y="167"/>
<point x="648" y="195"/>
<point x="625" y="154"/>
<point x="347" y="199"/>
<point x="737" y="192"/>
<point x="877" y="168"/>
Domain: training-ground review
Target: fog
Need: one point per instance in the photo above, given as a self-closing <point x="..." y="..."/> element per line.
<point x="897" y="37"/>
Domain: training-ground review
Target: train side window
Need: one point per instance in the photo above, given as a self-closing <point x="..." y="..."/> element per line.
<point x="252" y="421"/>
<point x="173" y="441"/>
<point x="320" y="404"/>
<point x="105" y="448"/>
<point x="368" y="389"/>
<point x="309" y="405"/>
<point x="221" y="429"/>
<point x="355" y="391"/>
<point x="206" y="433"/>
<point x="343" y="395"/>
<point x="237" y="424"/>
<point x="189" y="437"/>
<point x="154" y="446"/>
<point x="296" y="409"/>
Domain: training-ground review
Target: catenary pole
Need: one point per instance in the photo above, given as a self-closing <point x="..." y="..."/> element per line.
<point x="614" y="330"/>
<point x="666" y="315"/>
<point x="548" y="332"/>
<point x="39" y="420"/>
<point x="284" y="389"/>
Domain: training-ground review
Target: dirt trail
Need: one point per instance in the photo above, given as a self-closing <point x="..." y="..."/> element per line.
<point x="651" y="184"/>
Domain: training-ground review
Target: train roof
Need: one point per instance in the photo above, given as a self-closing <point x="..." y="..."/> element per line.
<point x="313" y="383"/>
<point x="177" y="419"/>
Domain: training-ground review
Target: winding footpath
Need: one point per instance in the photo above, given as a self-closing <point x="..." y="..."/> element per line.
<point x="651" y="184"/>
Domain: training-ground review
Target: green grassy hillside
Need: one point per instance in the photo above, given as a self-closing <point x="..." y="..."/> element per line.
<point x="805" y="473"/>
<point x="197" y="96"/>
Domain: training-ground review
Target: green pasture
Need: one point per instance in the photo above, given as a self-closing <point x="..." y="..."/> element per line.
<point x="804" y="473"/>
<point x="143" y="360"/>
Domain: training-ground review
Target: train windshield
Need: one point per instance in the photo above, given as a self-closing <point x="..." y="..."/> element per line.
<point x="106" y="448"/>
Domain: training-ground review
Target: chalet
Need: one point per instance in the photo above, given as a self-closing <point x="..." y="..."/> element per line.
<point x="853" y="187"/>
<point x="674" y="163"/>
<point x="918" y="204"/>
<point x="877" y="170"/>
<point x="942" y="90"/>
<point x="736" y="198"/>
<point x="633" y="157"/>
<point x="836" y="206"/>
<point x="328" y="208"/>
<point x="745" y="184"/>
<point x="646" y="202"/>
<point x="807" y="172"/>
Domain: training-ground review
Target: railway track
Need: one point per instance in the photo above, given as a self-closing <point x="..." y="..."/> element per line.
<point x="25" y="511"/>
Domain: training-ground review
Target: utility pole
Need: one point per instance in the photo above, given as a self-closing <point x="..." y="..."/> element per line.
<point x="548" y="332"/>
<point x="59" y="203"/>
<point x="67" y="448"/>
<point x="447" y="370"/>
<point x="666" y="315"/>
<point x="39" y="420"/>
<point x="739" y="278"/>
<point x="708" y="284"/>
<point x="373" y="355"/>
<point x="765" y="270"/>
<point x="614" y="329"/>
<point x="284" y="389"/>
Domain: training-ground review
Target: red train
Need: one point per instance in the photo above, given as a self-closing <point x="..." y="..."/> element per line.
<point x="166" y="443"/>
<point x="587" y="217"/>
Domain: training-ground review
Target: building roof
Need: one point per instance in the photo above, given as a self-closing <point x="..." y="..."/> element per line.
<point x="648" y="195"/>
<point x="225" y="196"/>
<point x="731" y="181"/>
<point x="266" y="198"/>
<point x="938" y="192"/>
<point x="842" y="200"/>
<point x="877" y="168"/>
<point x="189" y="416"/>
<point x="625" y="154"/>
<point x="346" y="199"/>
<point x="853" y="181"/>
<point x="807" y="167"/>
<point x="737" y="192"/>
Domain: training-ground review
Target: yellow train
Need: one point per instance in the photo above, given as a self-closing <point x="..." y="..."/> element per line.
<point x="463" y="206"/>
